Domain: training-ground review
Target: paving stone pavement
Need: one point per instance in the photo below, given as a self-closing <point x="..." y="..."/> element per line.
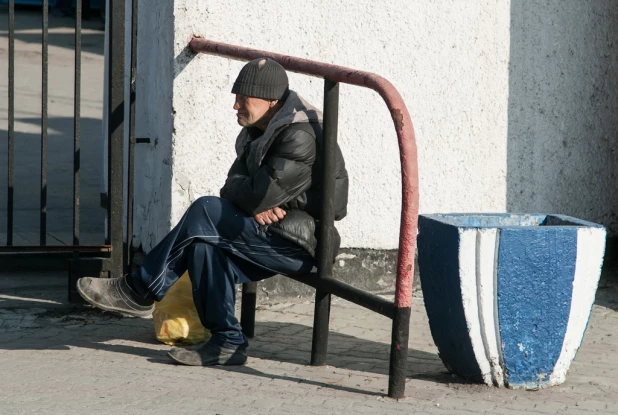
<point x="61" y="359"/>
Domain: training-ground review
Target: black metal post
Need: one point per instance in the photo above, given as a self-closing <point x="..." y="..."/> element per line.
<point x="11" y="138"/>
<point x="325" y="240"/>
<point x="43" y="221"/>
<point x="116" y="134"/>
<point x="131" y="156"/>
<point x="399" y="353"/>
<point x="352" y="294"/>
<point x="247" y="308"/>
<point x="77" y="120"/>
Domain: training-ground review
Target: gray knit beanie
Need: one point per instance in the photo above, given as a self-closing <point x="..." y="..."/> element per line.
<point x="266" y="81"/>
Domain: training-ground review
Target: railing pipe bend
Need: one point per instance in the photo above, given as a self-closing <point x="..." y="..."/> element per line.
<point x="403" y="127"/>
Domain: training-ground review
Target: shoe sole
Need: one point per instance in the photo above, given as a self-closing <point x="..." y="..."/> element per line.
<point x="140" y="314"/>
<point x="231" y="360"/>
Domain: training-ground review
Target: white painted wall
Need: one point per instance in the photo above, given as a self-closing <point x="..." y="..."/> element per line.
<point x="449" y="59"/>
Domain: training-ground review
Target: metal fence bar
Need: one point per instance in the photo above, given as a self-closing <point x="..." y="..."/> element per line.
<point x="57" y="248"/>
<point x="45" y="76"/>
<point x="325" y="240"/>
<point x="116" y="134"/>
<point x="13" y="256"/>
<point x="11" y="127"/>
<point x="77" y="120"/>
<point x="131" y="155"/>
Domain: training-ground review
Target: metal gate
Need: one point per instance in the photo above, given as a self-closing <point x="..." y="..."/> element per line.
<point x="110" y="257"/>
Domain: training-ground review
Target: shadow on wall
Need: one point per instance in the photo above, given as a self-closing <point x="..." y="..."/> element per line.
<point x="563" y="110"/>
<point x="154" y="115"/>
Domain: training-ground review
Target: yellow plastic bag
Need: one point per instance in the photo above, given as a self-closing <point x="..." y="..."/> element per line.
<point x="175" y="317"/>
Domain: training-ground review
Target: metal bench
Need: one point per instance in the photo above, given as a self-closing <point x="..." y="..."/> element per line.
<point x="325" y="285"/>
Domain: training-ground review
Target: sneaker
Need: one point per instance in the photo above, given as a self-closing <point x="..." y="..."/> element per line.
<point x="209" y="354"/>
<point x="114" y="294"/>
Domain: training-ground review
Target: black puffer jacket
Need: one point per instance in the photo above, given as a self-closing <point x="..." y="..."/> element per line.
<point x="282" y="167"/>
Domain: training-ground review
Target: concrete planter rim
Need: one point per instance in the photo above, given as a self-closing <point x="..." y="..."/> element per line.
<point x="458" y="220"/>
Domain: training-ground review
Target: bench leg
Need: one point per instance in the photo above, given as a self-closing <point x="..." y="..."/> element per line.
<point x="247" y="308"/>
<point x="321" y="317"/>
<point x="399" y="353"/>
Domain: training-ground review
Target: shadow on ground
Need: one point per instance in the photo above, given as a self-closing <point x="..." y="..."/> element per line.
<point x="31" y="318"/>
<point x="344" y="352"/>
<point x="607" y="293"/>
<point x="63" y="328"/>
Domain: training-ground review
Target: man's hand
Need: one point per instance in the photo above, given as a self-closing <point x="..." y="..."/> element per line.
<point x="270" y="216"/>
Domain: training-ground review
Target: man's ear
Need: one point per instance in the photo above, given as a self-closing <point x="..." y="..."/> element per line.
<point x="273" y="103"/>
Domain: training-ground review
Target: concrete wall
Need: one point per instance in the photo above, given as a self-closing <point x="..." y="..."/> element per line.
<point x="451" y="60"/>
<point x="563" y="109"/>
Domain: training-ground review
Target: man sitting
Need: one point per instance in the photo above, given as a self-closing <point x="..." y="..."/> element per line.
<point x="263" y="224"/>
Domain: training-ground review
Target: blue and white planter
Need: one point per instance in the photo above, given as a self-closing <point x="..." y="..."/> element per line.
<point x="509" y="295"/>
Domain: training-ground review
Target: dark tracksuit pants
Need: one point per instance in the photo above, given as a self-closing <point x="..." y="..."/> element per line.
<point x="220" y="245"/>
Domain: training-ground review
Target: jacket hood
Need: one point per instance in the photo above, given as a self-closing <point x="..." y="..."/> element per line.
<point x="294" y="110"/>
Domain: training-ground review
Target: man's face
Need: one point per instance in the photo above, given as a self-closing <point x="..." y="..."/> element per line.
<point x="251" y="111"/>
